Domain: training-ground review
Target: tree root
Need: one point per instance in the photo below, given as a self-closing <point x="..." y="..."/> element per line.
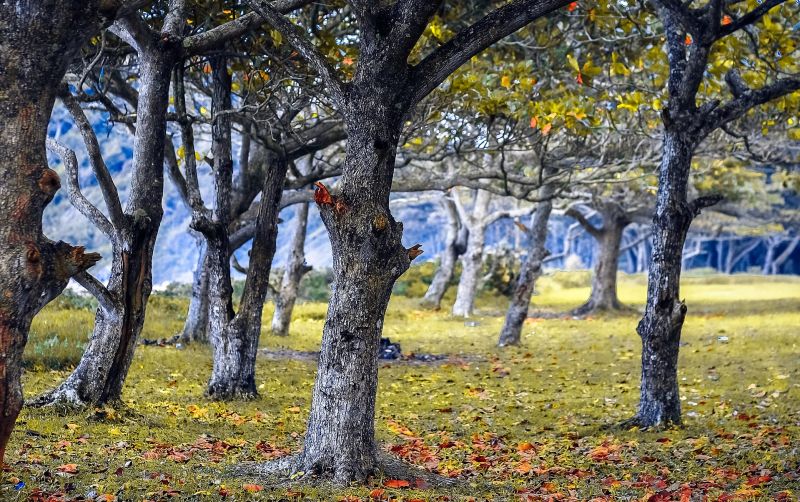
<point x="636" y="422"/>
<point x="287" y="471"/>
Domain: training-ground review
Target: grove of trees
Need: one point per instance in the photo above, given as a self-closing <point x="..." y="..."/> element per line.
<point x="627" y="119"/>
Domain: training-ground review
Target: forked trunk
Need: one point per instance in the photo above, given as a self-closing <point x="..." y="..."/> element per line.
<point x="294" y="271"/>
<point x="530" y="271"/>
<point x="102" y="370"/>
<point x="660" y="328"/>
<point x="235" y="342"/>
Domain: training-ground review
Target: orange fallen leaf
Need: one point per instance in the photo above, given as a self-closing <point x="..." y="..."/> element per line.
<point x="571" y="7"/>
<point x="68" y="468"/>
<point x="726" y="20"/>
<point x="321" y="195"/>
<point x="252" y="488"/>
<point x="525" y="447"/>
<point x="377" y="493"/>
<point x="396" y="483"/>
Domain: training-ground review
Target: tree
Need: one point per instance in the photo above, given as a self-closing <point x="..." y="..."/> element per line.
<point x="37" y="47"/>
<point x="294" y="270"/>
<point x="368" y="255"/>
<point x="692" y="36"/>
<point x="455" y="245"/>
<point x="100" y="374"/>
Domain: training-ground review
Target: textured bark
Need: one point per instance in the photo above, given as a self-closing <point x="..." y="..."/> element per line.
<point x="660" y="328"/>
<point x="368" y="257"/>
<point x="603" y="296"/>
<point x="36" y="49"/>
<point x="195" y="329"/>
<point x="531" y="269"/>
<point x="295" y="269"/>
<point x="101" y="372"/>
<point x="455" y="245"/>
<point x="472" y="259"/>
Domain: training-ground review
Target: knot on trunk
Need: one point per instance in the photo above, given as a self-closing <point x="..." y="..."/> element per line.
<point x="49" y="183"/>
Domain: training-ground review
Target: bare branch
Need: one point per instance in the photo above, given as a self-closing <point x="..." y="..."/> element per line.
<point x="98" y="290"/>
<point x="575" y="214"/>
<point x="104" y="179"/>
<point x="76" y="197"/>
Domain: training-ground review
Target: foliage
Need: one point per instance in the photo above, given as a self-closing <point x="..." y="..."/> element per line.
<point x="515" y="424"/>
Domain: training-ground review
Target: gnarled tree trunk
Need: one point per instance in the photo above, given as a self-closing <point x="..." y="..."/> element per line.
<point x="102" y="370"/>
<point x="37" y="46"/>
<point x="295" y="269"/>
<point x="530" y="271"/>
<point x="455" y="246"/>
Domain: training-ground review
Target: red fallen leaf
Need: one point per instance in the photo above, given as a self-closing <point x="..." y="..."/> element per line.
<point x="579" y="78"/>
<point x="68" y="468"/>
<point x="571" y="7"/>
<point x="223" y="492"/>
<point x="758" y="480"/>
<point x="252" y="488"/>
<point x="321" y="195"/>
<point x="414" y="251"/>
<point x="179" y="457"/>
<point x="396" y="483"/>
<point x="377" y="493"/>
<point x="420" y="484"/>
<point x="663" y="496"/>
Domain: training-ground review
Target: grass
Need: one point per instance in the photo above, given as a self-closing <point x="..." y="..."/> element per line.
<point x="521" y="423"/>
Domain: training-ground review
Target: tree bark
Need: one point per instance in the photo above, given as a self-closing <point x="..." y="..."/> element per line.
<point x="295" y="269"/>
<point x="472" y="260"/>
<point x="455" y="246"/>
<point x="195" y="329"/>
<point x="37" y="47"/>
<point x="531" y="269"/>
<point x="101" y="372"/>
<point x="660" y="328"/>
<point x="603" y="296"/>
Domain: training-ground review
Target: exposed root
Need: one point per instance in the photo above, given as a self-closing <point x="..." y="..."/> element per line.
<point x="636" y="422"/>
<point x="590" y="308"/>
<point x="288" y="471"/>
<point x="63" y="399"/>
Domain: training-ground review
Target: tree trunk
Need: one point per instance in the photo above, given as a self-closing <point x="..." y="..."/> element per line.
<point x="472" y="260"/>
<point x="368" y="257"/>
<point x="530" y="271"/>
<point x="455" y="245"/>
<point x="36" y="49"/>
<point x="660" y="328"/>
<point x="295" y="269"/>
<point x="101" y="372"/>
<point x="603" y="296"/>
<point x="787" y="252"/>
<point x="195" y="329"/>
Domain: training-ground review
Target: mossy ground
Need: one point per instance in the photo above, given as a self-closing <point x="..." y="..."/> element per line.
<point x="520" y="423"/>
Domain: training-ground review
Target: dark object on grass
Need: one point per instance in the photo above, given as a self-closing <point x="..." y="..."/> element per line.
<point x="389" y="350"/>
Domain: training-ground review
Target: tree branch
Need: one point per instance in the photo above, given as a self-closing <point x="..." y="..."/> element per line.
<point x="104" y="179"/>
<point x="76" y="197"/>
<point x="749" y="18"/>
<point x="573" y="213"/>
<point x="98" y="290"/>
<point x="304" y="47"/>
<point x="440" y="64"/>
<point x="219" y="35"/>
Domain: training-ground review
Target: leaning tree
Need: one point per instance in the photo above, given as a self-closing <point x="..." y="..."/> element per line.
<point x="368" y="255"/>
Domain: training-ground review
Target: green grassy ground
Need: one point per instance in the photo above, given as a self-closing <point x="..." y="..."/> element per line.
<point x="522" y="423"/>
